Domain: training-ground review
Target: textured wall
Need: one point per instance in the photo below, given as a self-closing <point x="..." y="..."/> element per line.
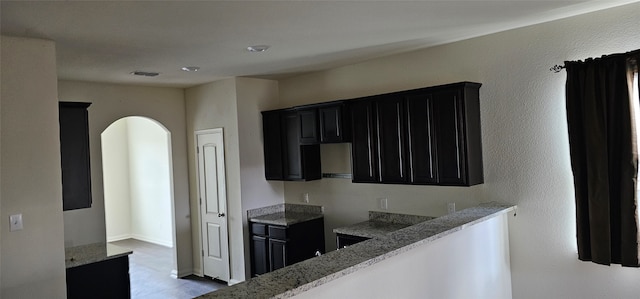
<point x="111" y="102"/>
<point x="32" y="258"/>
<point x="525" y="145"/>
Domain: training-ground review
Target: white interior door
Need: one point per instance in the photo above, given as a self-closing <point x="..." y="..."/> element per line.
<point x="213" y="204"/>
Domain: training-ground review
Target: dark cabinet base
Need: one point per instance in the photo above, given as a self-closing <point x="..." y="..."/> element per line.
<point x="346" y="240"/>
<point x="106" y="279"/>
<point x="275" y="246"/>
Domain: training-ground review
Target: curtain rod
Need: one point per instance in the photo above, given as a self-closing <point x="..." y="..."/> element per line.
<point x="558" y="68"/>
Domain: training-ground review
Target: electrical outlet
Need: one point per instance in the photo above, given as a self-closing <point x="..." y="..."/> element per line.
<point x="305" y="197"/>
<point x="451" y="208"/>
<point x="383" y="203"/>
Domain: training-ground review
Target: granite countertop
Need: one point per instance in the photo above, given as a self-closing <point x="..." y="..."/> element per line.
<point x="285" y="214"/>
<point x="380" y="224"/>
<point x="92" y="253"/>
<point x="300" y="277"/>
<point x="285" y="218"/>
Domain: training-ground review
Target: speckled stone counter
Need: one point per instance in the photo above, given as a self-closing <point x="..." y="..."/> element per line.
<point x="300" y="277"/>
<point x="92" y="253"/>
<point x="380" y="224"/>
<point x="285" y="214"/>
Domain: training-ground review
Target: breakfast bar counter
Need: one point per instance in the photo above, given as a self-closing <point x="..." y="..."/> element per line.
<point x="304" y="276"/>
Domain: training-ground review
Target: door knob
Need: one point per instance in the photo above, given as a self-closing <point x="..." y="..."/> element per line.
<point x="220" y="214"/>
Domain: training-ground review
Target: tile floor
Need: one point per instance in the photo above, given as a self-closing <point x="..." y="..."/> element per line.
<point x="150" y="269"/>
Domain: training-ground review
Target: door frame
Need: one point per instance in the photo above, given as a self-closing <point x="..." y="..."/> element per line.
<point x="199" y="204"/>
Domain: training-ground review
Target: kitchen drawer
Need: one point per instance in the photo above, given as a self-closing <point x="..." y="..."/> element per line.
<point x="259" y="229"/>
<point x="278" y="232"/>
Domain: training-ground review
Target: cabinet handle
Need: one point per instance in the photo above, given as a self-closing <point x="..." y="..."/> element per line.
<point x="456" y="110"/>
<point x="221" y="214"/>
<point x="399" y="114"/>
<point x="429" y="130"/>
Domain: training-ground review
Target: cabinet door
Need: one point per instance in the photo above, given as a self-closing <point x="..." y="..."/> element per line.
<point x="74" y="151"/>
<point x="292" y="163"/>
<point x="332" y="124"/>
<point x="277" y="254"/>
<point x="259" y="255"/>
<point x="449" y="128"/>
<point x="308" y="126"/>
<point x="391" y="139"/>
<point x="104" y="279"/>
<point x="364" y="144"/>
<point x="421" y="140"/>
<point x="272" y="145"/>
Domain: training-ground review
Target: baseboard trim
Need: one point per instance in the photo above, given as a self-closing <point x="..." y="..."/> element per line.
<point x="233" y="281"/>
<point x="119" y="238"/>
<point x="198" y="272"/>
<point x="150" y="240"/>
<point x="180" y="274"/>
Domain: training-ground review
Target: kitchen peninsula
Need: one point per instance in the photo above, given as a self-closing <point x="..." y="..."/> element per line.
<point x="347" y="263"/>
<point x="99" y="269"/>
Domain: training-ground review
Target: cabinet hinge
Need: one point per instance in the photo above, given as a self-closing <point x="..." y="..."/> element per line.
<point x="202" y="252"/>
<point x="197" y="150"/>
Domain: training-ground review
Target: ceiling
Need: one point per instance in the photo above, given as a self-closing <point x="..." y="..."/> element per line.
<point x="104" y="41"/>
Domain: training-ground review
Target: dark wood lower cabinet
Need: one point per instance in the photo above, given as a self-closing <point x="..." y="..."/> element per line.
<point x="276" y="246"/>
<point x="260" y="258"/>
<point x="277" y="254"/>
<point x="108" y="279"/>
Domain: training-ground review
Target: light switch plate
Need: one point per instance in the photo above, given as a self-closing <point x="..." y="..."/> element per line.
<point x="15" y="222"/>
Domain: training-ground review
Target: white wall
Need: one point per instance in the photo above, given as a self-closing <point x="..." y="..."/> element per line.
<point x="254" y="95"/>
<point x="470" y="263"/>
<point x="225" y="104"/>
<point x="33" y="258"/>
<point x="117" y="200"/>
<point x="137" y="181"/>
<point x="525" y="143"/>
<point x="151" y="179"/>
<point x="111" y="102"/>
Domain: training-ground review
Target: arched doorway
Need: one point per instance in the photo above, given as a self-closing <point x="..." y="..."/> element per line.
<point x="138" y="181"/>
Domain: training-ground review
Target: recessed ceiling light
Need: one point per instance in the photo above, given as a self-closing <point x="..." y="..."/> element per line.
<point x="145" y="74"/>
<point x="190" y="68"/>
<point x="257" y="48"/>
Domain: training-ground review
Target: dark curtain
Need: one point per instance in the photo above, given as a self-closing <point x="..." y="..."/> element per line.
<point x="603" y="159"/>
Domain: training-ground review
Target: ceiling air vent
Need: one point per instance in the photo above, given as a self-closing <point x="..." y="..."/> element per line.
<point x="146" y="74"/>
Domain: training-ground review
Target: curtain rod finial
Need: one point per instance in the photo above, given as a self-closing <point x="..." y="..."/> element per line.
<point x="557" y="68"/>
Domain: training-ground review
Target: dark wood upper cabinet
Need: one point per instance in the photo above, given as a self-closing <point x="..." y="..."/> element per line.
<point x="285" y="157"/>
<point x="428" y="136"/>
<point x="272" y="140"/>
<point x="364" y="144"/>
<point x="390" y="127"/>
<point x="308" y="126"/>
<point x="421" y="139"/>
<point x="444" y="135"/>
<point x="74" y="152"/>
<point x="334" y="125"/>
<point x="425" y="136"/>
